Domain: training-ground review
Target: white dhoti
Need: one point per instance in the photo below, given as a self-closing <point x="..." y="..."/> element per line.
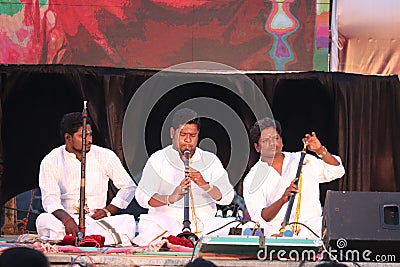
<point x="117" y="229"/>
<point x="153" y="227"/>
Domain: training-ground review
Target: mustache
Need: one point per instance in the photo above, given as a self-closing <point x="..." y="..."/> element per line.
<point x="184" y="148"/>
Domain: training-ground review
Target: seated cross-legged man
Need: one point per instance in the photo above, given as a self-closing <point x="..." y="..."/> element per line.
<point x="60" y="180"/>
<point x="163" y="185"/>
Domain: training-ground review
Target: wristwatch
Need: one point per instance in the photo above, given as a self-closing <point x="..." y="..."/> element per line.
<point x="323" y="152"/>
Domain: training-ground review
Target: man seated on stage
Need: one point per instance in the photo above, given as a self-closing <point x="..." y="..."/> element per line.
<point x="60" y="180"/>
<point x="163" y="185"/>
<point x="271" y="181"/>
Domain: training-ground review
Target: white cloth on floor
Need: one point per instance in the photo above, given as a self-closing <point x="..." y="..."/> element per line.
<point x="124" y="225"/>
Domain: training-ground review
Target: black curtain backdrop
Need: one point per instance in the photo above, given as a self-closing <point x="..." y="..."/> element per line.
<point x="355" y="116"/>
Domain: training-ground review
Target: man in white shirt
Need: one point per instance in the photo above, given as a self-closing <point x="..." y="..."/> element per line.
<point x="163" y="185"/>
<point x="271" y="181"/>
<point x="60" y="180"/>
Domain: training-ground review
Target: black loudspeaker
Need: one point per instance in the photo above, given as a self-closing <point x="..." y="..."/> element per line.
<point x="362" y="226"/>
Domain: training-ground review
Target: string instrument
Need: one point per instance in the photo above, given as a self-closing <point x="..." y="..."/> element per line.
<point x="292" y="197"/>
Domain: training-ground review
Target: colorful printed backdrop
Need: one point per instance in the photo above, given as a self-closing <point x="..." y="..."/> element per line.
<point x="260" y="35"/>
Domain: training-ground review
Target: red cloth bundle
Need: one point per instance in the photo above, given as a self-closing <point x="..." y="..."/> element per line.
<point x="68" y="240"/>
<point x="180" y="241"/>
<point x="88" y="241"/>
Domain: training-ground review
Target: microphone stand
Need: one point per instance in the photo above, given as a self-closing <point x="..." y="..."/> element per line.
<point x="291" y="198"/>
<point x="186" y="231"/>
<point x="81" y="233"/>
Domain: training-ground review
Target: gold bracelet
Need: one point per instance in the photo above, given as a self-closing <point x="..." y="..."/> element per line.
<point x="167" y="200"/>
<point x="108" y="213"/>
<point x="209" y="189"/>
<point x="323" y="153"/>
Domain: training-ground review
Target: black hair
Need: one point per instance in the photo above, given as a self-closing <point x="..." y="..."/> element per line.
<point x="23" y="257"/>
<point x="260" y="125"/>
<point x="331" y="264"/>
<point x="185" y="116"/>
<point x="71" y="122"/>
<point x="200" y="262"/>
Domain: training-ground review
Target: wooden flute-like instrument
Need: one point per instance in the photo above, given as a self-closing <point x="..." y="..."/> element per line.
<point x="81" y="233"/>
<point x="186" y="231"/>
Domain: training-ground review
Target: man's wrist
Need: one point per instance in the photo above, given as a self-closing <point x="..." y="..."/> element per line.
<point x="67" y="219"/>
<point x="321" y="152"/>
<point x="208" y="187"/>
<point x="167" y="201"/>
<point x="108" y="213"/>
<point x="170" y="199"/>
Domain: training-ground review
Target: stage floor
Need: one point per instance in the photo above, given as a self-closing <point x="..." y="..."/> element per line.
<point x="62" y="260"/>
<point x="163" y="258"/>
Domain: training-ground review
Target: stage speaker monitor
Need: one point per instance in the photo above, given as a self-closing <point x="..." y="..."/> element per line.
<point x="362" y="226"/>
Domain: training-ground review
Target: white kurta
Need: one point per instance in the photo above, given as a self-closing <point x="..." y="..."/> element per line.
<point x="263" y="185"/>
<point x="162" y="173"/>
<point x="59" y="182"/>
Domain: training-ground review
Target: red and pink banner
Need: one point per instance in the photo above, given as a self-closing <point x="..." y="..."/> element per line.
<point x="247" y="35"/>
